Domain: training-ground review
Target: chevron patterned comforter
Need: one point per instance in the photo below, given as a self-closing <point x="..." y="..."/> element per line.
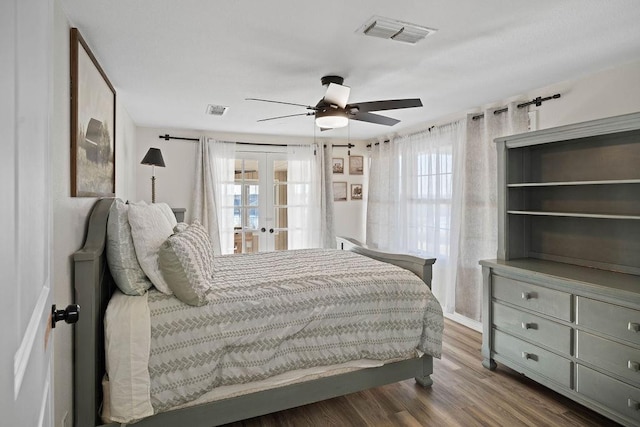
<point x="270" y="313"/>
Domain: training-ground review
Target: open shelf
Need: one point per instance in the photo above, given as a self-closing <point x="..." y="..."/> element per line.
<point x="569" y="183"/>
<point x="575" y="214"/>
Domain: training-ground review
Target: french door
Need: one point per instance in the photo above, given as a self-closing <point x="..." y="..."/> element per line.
<point x="260" y="202"/>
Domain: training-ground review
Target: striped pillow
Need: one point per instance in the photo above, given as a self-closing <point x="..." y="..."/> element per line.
<point x="186" y="262"/>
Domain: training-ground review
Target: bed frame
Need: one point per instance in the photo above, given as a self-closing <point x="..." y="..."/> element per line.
<point x="93" y="288"/>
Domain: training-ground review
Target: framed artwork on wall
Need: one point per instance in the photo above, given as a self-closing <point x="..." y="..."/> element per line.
<point x="356" y="191"/>
<point x="339" y="191"/>
<point x="93" y="124"/>
<point x="337" y="164"/>
<point x="356" y="165"/>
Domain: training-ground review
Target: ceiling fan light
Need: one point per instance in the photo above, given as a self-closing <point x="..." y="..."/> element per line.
<point x="331" y="119"/>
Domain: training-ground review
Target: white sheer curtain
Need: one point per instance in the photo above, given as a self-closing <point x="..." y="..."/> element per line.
<point x="412" y="201"/>
<point x="213" y="193"/>
<point x="383" y="200"/>
<point x="327" y="228"/>
<point x="435" y="194"/>
<point x="479" y="214"/>
<point x="303" y="197"/>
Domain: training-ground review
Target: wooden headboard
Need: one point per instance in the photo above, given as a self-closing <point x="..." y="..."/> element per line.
<point x="93" y="288"/>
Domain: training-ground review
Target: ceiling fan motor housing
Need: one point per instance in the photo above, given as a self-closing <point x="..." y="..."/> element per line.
<point x="326" y="80"/>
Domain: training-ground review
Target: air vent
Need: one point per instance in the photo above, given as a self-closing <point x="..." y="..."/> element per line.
<point x="386" y="28"/>
<point x="216" y="110"/>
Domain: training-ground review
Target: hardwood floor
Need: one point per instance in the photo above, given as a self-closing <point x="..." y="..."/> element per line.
<point x="463" y="394"/>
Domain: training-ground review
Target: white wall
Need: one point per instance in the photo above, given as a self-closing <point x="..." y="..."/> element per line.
<point x="350" y="216"/>
<point x="174" y="183"/>
<point x="70" y="213"/>
<point x="610" y="92"/>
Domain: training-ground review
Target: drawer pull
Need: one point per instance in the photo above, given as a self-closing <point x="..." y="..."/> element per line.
<point x="633" y="404"/>
<point x="527" y="296"/>
<point x="633" y="327"/>
<point x="634" y="366"/>
<point x="526" y="325"/>
<point x="529" y="356"/>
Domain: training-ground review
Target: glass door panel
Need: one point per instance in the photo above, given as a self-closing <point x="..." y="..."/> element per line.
<point x="278" y="168"/>
<point x="261" y="191"/>
<point x="247" y="203"/>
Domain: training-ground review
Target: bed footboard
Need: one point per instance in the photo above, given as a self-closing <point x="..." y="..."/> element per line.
<point x="421" y="267"/>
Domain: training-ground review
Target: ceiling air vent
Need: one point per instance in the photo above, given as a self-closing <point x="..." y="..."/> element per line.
<point x="216" y="110"/>
<point x="386" y="28"/>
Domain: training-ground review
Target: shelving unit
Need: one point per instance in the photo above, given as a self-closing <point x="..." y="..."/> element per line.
<point x="561" y="303"/>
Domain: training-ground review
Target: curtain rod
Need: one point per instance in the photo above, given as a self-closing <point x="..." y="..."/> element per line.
<point x="167" y="137"/>
<point x="538" y="101"/>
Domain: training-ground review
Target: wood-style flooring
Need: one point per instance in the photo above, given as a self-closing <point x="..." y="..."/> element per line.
<point x="463" y="394"/>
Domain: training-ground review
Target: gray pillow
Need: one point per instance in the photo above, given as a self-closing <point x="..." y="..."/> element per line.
<point x="121" y="254"/>
<point x="186" y="262"/>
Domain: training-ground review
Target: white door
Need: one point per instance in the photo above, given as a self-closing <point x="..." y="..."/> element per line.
<point x="260" y="202"/>
<point x="25" y="214"/>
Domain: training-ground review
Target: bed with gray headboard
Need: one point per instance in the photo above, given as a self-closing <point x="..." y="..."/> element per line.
<point x="94" y="288"/>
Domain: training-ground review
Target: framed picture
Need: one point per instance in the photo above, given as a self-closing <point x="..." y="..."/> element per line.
<point x="93" y="124"/>
<point x="355" y="165"/>
<point x="337" y="164"/>
<point x="339" y="191"/>
<point x="356" y="191"/>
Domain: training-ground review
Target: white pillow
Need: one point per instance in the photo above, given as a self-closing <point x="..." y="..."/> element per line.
<point x="127" y="323"/>
<point x="121" y="254"/>
<point x="150" y="228"/>
<point x="168" y="212"/>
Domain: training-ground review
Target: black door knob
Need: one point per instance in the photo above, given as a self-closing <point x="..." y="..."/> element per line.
<point x="69" y="314"/>
<point x="263" y="229"/>
<point x="271" y="230"/>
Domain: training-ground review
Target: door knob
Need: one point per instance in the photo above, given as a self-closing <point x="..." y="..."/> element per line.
<point x="263" y="229"/>
<point x="69" y="314"/>
<point x="271" y="230"/>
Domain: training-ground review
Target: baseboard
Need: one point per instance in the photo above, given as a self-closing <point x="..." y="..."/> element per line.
<point x="465" y="321"/>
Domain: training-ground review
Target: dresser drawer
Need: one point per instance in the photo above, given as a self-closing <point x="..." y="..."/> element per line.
<point x="611" y="356"/>
<point x="547" y="301"/>
<point x="616" y="395"/>
<point x="609" y="319"/>
<point x="533" y="328"/>
<point x="550" y="365"/>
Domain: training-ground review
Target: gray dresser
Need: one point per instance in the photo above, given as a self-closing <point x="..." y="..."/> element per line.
<point x="561" y="303"/>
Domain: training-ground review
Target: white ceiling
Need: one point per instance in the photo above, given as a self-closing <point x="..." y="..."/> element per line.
<point x="168" y="59"/>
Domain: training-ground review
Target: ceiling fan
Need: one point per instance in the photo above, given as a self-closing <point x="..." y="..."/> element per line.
<point x="332" y="111"/>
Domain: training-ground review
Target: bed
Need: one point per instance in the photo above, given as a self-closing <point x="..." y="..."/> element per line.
<point x="94" y="288"/>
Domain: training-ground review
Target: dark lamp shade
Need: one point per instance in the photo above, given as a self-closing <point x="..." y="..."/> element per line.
<point x="153" y="158"/>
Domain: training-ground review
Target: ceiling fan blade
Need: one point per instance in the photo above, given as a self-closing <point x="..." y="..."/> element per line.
<point x="281" y="102"/>
<point x="374" y="118"/>
<point x="282" y="117"/>
<point x="390" y="104"/>
<point x="337" y="95"/>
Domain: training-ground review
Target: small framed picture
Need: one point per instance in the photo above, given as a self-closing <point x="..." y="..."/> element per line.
<point x="337" y="164"/>
<point x="339" y="191"/>
<point x="356" y="191"/>
<point x="355" y="165"/>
